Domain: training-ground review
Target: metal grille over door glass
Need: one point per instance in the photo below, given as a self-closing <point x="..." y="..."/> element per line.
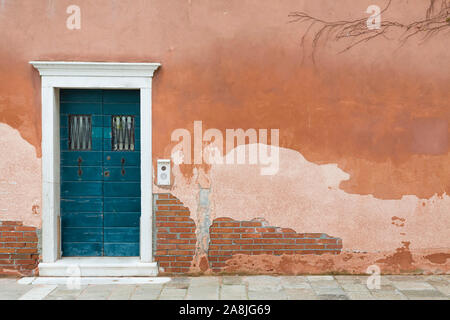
<point x="123" y="133"/>
<point x="80" y="132"/>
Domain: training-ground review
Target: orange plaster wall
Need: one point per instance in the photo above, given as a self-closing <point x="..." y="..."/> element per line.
<point x="377" y="114"/>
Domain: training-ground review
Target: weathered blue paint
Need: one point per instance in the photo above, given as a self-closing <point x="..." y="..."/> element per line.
<point x="100" y="197"/>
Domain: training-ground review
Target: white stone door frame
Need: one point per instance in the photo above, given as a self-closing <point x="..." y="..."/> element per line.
<point x="91" y="75"/>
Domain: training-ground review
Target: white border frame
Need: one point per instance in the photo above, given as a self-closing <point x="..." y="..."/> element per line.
<point x="91" y="75"/>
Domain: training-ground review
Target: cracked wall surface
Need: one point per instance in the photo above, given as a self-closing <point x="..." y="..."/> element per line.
<point x="363" y="136"/>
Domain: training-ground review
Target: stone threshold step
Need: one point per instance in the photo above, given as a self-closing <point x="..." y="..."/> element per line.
<point x="99" y="267"/>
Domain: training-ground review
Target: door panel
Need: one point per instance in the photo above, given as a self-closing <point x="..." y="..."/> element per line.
<point x="75" y="249"/>
<point x="78" y="204"/>
<point x="122" y="219"/>
<point x="121" y="249"/>
<point x="118" y="205"/>
<point x="131" y="174"/>
<point x="86" y="174"/>
<point x="83" y="219"/>
<point x="100" y="187"/>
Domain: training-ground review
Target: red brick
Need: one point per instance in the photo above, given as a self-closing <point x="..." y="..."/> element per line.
<point x="21" y="256"/>
<point x="185" y="225"/>
<point x="314" y="246"/>
<point x="173" y="208"/>
<point x="265" y="229"/>
<point x="179" y="258"/>
<point x="244" y="230"/>
<point x="313" y="235"/>
<point x="281" y="252"/>
<point x="4" y="250"/>
<point x="187" y="235"/>
<point x="251" y="235"/>
<point x="180" y="252"/>
<point x="166" y="224"/>
<point x="12" y="234"/>
<point x="14" y="244"/>
<point x="26" y="250"/>
<point x="162" y="196"/>
<point x="164" y="258"/>
<point x="8" y="228"/>
<point x="278" y="246"/>
<point x="182" y="230"/>
<point x="229" y="224"/>
<point x="333" y="246"/>
<point x="175" y="270"/>
<point x="232" y="247"/>
<point x="302" y="241"/>
<point x="179" y="219"/>
<point x="223" y="258"/>
<point x="224" y="241"/>
<point x="332" y="241"/>
<point x="166" y="236"/>
<point x="167" y="202"/>
<point x="24" y="261"/>
<point x="250" y="224"/>
<point x="25" y="229"/>
<point x="164" y="264"/>
<point x="28" y="239"/>
<point x="265" y="240"/>
<point x="225" y="235"/>
<point x="272" y="235"/>
<point x="186" y="246"/>
<point x="172" y="213"/>
<point x="263" y="252"/>
<point x="283" y="240"/>
<point x="165" y="246"/>
<point x="244" y="241"/>
<point x="180" y="264"/>
<point x="221" y="230"/>
<point x="218" y="264"/>
<point x="12" y="223"/>
<point x="173" y="241"/>
<point x="223" y="219"/>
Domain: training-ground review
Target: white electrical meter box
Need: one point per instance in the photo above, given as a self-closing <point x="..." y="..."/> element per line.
<point x="163" y="178"/>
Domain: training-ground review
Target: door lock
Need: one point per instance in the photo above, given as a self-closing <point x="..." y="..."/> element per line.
<point x="123" y="163"/>
<point x="80" y="172"/>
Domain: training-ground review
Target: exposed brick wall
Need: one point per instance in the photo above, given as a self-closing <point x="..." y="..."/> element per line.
<point x="175" y="235"/>
<point x="18" y="249"/>
<point x="229" y="237"/>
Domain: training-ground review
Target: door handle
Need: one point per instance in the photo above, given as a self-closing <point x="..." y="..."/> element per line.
<point x="123" y="163"/>
<point x="80" y="172"/>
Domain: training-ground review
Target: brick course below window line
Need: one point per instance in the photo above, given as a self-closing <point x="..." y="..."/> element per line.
<point x="229" y="237"/>
<point x="176" y="238"/>
<point x="175" y="235"/>
<point x="18" y="249"/>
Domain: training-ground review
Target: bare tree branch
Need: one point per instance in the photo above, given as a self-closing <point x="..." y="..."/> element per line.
<point x="437" y="19"/>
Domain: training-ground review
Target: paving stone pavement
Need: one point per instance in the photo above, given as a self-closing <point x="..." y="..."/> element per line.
<point x="238" y="288"/>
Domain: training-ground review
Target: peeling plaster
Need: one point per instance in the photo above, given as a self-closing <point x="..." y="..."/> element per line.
<point x="306" y="197"/>
<point x="20" y="179"/>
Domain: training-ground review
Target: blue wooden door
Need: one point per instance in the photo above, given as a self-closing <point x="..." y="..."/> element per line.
<point x="100" y="172"/>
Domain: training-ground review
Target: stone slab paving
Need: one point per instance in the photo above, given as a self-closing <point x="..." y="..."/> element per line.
<point x="235" y="288"/>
